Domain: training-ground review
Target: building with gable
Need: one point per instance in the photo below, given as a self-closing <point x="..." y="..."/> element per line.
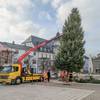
<point x="11" y="51"/>
<point x="44" y="56"/>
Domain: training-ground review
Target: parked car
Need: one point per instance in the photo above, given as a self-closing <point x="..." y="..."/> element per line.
<point x="54" y="75"/>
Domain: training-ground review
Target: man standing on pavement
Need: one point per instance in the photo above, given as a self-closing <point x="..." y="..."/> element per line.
<point x="49" y="76"/>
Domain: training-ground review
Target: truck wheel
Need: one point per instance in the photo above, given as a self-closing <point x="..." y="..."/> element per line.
<point x="18" y="81"/>
<point x="13" y="82"/>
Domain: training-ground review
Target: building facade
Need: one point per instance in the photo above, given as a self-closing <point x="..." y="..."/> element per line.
<point x="11" y="52"/>
<point x="5" y="54"/>
<point x="44" y="56"/>
<point x="96" y="64"/>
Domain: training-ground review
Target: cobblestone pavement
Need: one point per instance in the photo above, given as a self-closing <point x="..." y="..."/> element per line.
<point x="86" y="86"/>
<point x="43" y="91"/>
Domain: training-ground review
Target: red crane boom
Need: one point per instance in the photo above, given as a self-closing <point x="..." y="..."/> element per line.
<point x="33" y="49"/>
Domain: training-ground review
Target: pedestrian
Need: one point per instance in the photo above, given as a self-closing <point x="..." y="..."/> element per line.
<point x="70" y="77"/>
<point x="63" y="75"/>
<point x="49" y="76"/>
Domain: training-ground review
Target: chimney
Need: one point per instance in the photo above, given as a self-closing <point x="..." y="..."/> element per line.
<point x="57" y="34"/>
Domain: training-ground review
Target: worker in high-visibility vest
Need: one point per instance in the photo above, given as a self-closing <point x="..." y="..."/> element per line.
<point x="28" y="70"/>
<point x="62" y="74"/>
<point x="45" y="76"/>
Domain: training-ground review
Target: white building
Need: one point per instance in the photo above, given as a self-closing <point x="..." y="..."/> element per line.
<point x="44" y="56"/>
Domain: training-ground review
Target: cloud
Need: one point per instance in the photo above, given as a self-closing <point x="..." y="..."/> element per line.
<point x="57" y="3"/>
<point x="25" y="29"/>
<point x="14" y="22"/>
<point x="45" y="1"/>
<point x="45" y="15"/>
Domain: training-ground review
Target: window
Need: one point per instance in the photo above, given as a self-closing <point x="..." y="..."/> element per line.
<point x="34" y="61"/>
<point x="15" y="69"/>
<point x="9" y="69"/>
<point x="46" y="55"/>
<point x="53" y="57"/>
<point x="42" y="55"/>
<point x="41" y="49"/>
<point x="45" y="50"/>
<point x="34" y="53"/>
<point x="50" y="56"/>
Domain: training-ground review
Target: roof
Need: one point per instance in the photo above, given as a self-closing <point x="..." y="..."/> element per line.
<point x="37" y="40"/>
<point x="15" y="46"/>
<point x="86" y="57"/>
<point x="3" y="48"/>
<point x="34" y="39"/>
<point x="96" y="58"/>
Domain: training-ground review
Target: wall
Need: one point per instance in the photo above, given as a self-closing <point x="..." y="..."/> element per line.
<point x="5" y="57"/>
<point x="96" y="65"/>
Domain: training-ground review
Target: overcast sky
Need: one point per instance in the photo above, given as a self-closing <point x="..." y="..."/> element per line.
<point x="22" y="18"/>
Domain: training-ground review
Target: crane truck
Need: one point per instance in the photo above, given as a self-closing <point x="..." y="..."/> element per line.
<point x="14" y="73"/>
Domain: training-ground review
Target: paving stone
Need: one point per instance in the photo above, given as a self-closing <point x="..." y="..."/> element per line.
<point x="41" y="92"/>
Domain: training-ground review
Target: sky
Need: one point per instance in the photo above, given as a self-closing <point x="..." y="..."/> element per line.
<point x="44" y="18"/>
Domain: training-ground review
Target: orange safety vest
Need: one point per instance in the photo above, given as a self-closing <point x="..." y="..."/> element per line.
<point x="45" y="75"/>
<point x="62" y="74"/>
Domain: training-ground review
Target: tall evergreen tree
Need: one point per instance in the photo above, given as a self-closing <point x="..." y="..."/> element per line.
<point x="71" y="50"/>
